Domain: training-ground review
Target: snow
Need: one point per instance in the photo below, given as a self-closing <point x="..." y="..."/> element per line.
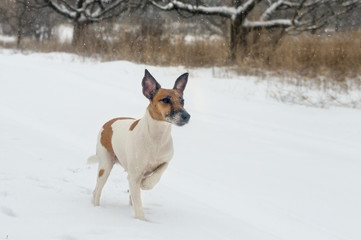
<point x="190" y="38"/>
<point x="269" y="23"/>
<point x="64" y="33"/>
<point x="245" y="167"/>
<point x="7" y="39"/>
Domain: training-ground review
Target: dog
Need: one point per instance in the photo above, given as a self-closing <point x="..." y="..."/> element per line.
<point x="142" y="147"/>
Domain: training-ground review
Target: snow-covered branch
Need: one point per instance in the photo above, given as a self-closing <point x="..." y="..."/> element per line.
<point x="305" y="14"/>
<point x="267" y="24"/>
<point x="274" y="6"/>
<point x="101" y="10"/>
<point x="174" y="5"/>
<point x="225" y="11"/>
<point x="234" y="13"/>
<point x="83" y="10"/>
<point x="63" y="8"/>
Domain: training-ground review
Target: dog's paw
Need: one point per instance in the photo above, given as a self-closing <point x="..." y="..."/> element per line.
<point x="95" y="203"/>
<point x="140" y="217"/>
<point x="147" y="184"/>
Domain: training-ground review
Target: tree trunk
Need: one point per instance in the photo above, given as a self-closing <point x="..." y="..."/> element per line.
<point x="20" y="11"/>
<point x="79" y="35"/>
<point x="19" y="38"/>
<point x="238" y="36"/>
<point x="233" y="42"/>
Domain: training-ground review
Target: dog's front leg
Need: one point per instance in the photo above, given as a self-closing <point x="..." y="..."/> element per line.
<point x="150" y="181"/>
<point x="134" y="188"/>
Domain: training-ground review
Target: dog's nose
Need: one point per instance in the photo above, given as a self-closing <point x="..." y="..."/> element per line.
<point x="185" y="116"/>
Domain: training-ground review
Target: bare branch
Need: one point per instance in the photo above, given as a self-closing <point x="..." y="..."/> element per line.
<point x="33" y="6"/>
<point x="107" y="9"/>
<point x="63" y="9"/>
<point x="297" y="11"/>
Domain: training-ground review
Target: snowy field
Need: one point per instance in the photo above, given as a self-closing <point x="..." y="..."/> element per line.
<point x="245" y="167"/>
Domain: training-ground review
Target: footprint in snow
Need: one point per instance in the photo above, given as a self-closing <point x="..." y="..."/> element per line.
<point x="8" y="211"/>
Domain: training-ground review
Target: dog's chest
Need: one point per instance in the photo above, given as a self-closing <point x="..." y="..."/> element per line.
<point x="151" y="153"/>
<point x="143" y="147"/>
<point x="154" y="159"/>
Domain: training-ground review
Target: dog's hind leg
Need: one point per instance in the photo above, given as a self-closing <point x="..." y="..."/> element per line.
<point x="106" y="163"/>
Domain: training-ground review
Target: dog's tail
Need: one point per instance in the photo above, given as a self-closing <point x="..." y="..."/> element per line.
<point x="93" y="159"/>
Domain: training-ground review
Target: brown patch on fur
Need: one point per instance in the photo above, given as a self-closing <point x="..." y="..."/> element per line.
<point x="107" y="133"/>
<point x="134" y="124"/>
<point x="101" y="172"/>
<point x="158" y="110"/>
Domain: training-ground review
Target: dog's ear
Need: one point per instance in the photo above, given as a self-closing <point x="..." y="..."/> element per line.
<point x="150" y="85"/>
<point x="180" y="83"/>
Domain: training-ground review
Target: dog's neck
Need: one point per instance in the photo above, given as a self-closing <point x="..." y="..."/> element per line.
<point x="157" y="130"/>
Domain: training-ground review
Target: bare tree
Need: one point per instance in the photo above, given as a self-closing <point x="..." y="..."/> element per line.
<point x="246" y="15"/>
<point x="84" y="12"/>
<point x="19" y="20"/>
<point x="7" y="10"/>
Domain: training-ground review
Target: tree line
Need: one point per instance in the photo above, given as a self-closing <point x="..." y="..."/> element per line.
<point x="234" y="18"/>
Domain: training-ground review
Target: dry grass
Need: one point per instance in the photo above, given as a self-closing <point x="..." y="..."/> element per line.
<point x="165" y="51"/>
<point x="336" y="56"/>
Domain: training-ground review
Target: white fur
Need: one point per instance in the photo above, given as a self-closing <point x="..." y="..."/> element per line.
<point x="143" y="152"/>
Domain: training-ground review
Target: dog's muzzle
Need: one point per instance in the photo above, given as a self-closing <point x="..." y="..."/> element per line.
<point x="185" y="117"/>
<point x="179" y="118"/>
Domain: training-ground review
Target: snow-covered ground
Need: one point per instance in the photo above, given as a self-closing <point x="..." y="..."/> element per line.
<point x="245" y="167"/>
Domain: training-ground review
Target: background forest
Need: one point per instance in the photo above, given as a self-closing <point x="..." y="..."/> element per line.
<point x="303" y="37"/>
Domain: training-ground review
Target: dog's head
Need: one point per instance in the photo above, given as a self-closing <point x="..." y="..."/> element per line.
<point x="166" y="104"/>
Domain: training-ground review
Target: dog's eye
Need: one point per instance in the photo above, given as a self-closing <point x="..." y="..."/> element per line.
<point x="166" y="100"/>
<point x="182" y="101"/>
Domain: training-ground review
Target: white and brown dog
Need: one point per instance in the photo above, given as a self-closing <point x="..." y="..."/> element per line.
<point x="142" y="147"/>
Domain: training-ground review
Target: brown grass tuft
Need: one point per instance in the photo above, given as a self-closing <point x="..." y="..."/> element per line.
<point x="336" y="56"/>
